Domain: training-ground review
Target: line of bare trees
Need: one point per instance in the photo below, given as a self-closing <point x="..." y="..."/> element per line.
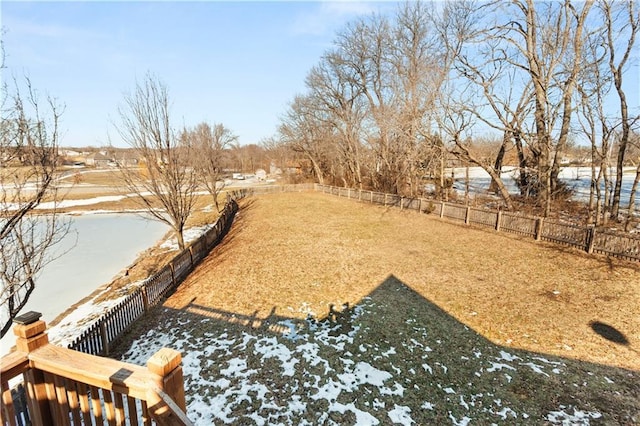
<point x="396" y="98"/>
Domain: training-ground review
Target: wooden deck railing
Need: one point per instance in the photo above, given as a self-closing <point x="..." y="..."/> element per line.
<point x="65" y="387"/>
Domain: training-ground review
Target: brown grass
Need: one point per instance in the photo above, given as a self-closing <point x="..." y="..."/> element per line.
<point x="295" y="252"/>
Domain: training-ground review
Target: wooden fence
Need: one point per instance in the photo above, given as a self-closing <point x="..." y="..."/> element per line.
<point x="98" y="337"/>
<point x="587" y="238"/>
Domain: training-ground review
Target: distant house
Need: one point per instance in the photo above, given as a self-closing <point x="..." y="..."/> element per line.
<point x="98" y="159"/>
<point x="261" y="174"/>
<point x="65" y="152"/>
<point x="126" y="158"/>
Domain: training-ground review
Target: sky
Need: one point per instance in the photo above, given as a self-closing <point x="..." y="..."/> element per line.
<point x="235" y="63"/>
<point x="238" y="63"/>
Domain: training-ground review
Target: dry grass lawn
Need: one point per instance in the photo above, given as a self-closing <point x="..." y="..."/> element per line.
<point x="300" y="253"/>
<point x="445" y="324"/>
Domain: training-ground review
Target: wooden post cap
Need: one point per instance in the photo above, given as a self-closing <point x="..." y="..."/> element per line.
<point x="27" y="318"/>
<point x="164" y="361"/>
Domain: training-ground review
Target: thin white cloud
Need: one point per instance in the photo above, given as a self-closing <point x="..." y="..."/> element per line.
<point x="328" y="16"/>
<point x="26" y="28"/>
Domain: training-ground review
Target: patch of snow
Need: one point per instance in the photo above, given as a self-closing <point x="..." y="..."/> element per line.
<point x="401" y="414"/>
<point x="391" y="351"/>
<point x="427" y="406"/>
<point x="508" y="357"/>
<point x="292" y="333"/>
<point x="362" y="417"/>
<point x="364" y="373"/>
<point x="464" y="421"/>
<point x="398" y="389"/>
<point x="463" y="402"/>
<point x="328" y="391"/>
<point x="271" y="348"/>
<point x="237" y="368"/>
<point x="496" y="366"/>
<point x="535" y="367"/>
<point x="189" y="235"/>
<point x="578" y="417"/>
<point x="507" y="412"/>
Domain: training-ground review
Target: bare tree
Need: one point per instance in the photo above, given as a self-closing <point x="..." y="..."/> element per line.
<point x="420" y="65"/>
<point x="305" y="133"/>
<point x="491" y="95"/>
<point x="622" y="23"/>
<point x="365" y="52"/>
<point x="165" y="181"/>
<point x="29" y="152"/>
<point x="209" y="147"/>
<point x="634" y="145"/>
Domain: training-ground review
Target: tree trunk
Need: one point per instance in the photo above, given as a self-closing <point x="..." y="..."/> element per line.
<point x="632" y="200"/>
<point x="497" y="166"/>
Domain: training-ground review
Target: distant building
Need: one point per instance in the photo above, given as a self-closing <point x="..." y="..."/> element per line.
<point x="98" y="159"/>
<point x="261" y="174"/>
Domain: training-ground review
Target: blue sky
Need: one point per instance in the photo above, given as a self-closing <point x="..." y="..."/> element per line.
<point x="236" y="63"/>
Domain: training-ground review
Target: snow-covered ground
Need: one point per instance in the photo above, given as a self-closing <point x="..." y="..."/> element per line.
<point x="577" y="178"/>
<point x="324" y="373"/>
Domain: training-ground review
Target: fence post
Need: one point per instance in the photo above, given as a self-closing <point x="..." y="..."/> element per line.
<point x="104" y="337"/>
<point x="359" y="194"/>
<point x="371" y="197"/>
<point x="419" y="205"/>
<point x="539" y="222"/>
<point x="349" y="193"/>
<point x="385" y="199"/>
<point x="498" y="220"/>
<point x="442" y="205"/>
<point x="166" y="364"/>
<point x="145" y="298"/>
<point x="191" y="255"/>
<point x="467" y="215"/>
<point x="401" y="202"/>
<point x="173" y="274"/>
<point x="29" y="330"/>
<point x="591" y="238"/>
